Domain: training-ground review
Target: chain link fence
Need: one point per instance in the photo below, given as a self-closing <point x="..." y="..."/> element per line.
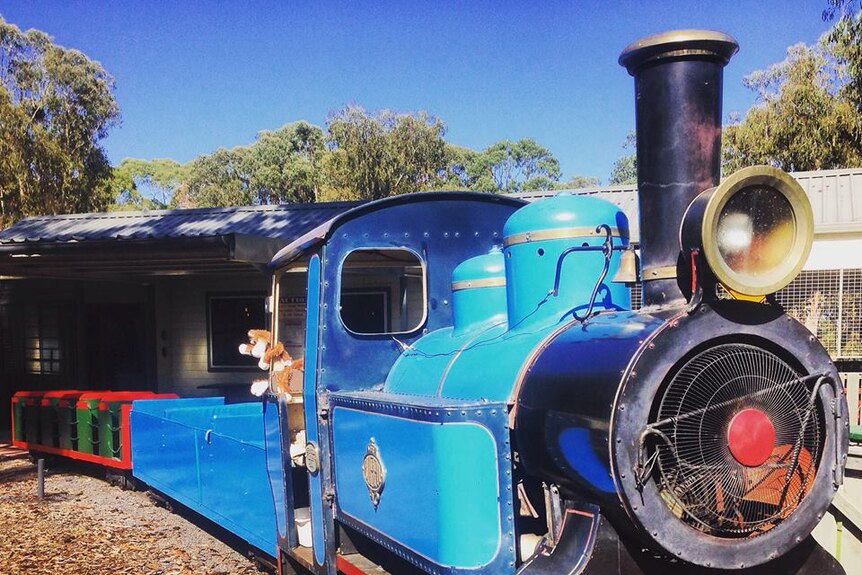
<point x="828" y="302"/>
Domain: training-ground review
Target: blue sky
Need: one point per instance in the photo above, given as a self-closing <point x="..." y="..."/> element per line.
<point x="195" y="76"/>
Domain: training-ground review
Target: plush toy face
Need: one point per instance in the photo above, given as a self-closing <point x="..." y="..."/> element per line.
<point x="258" y="342"/>
<point x="275" y="357"/>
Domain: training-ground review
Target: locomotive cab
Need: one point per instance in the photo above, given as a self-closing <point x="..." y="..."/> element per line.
<point x="375" y="280"/>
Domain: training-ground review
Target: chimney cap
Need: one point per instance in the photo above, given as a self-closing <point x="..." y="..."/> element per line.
<point x="678" y="44"/>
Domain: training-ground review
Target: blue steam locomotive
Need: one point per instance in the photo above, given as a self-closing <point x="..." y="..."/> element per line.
<point x="479" y="396"/>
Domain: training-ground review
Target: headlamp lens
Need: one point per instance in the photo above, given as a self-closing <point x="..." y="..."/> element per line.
<point x="756" y="231"/>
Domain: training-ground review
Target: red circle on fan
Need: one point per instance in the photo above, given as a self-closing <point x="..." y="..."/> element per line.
<point x="751" y="437"/>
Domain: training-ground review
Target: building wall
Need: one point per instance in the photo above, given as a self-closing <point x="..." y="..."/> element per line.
<point x="181" y="334"/>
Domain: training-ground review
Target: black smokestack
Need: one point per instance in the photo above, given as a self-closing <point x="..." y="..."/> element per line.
<point x="678" y="84"/>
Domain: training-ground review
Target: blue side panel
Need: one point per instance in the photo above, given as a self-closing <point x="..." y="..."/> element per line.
<point x="234" y="489"/>
<point x="441" y="492"/>
<point x="446" y="503"/>
<point x="166" y="454"/>
<point x="310" y="405"/>
<point x="275" y="470"/>
<point x="210" y="459"/>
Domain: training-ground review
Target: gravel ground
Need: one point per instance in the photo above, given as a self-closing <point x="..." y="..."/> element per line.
<point x="84" y="525"/>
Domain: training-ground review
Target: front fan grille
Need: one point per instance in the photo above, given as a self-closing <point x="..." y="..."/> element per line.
<point x="699" y="473"/>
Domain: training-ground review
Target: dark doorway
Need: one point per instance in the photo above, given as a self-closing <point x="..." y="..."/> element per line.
<point x="116" y="346"/>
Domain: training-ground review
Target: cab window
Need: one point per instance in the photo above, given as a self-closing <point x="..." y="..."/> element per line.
<point x="382" y="291"/>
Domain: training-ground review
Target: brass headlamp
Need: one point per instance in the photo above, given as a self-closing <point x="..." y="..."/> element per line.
<point x="755" y="230"/>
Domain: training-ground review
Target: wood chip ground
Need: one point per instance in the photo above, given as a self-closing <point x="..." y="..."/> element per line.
<point x="86" y="526"/>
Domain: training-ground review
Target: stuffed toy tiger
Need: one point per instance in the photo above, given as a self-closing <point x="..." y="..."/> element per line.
<point x="276" y="357"/>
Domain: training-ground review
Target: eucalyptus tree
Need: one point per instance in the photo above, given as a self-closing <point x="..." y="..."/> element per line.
<point x="56" y="105"/>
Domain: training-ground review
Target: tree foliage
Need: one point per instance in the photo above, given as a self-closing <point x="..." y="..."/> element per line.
<point x="807" y="116"/>
<point x="383" y="154"/>
<point x="510" y="166"/>
<point x="55" y="107"/>
<point x="219" y="179"/>
<point x="577" y="183"/>
<point x="360" y="156"/>
<point x="625" y="170"/>
<point x="844" y="41"/>
<point x="285" y="165"/>
<point x="146" y="184"/>
<point x="280" y="166"/>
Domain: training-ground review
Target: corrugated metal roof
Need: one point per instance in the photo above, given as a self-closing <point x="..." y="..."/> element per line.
<point x="835" y="195"/>
<point x="285" y="222"/>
